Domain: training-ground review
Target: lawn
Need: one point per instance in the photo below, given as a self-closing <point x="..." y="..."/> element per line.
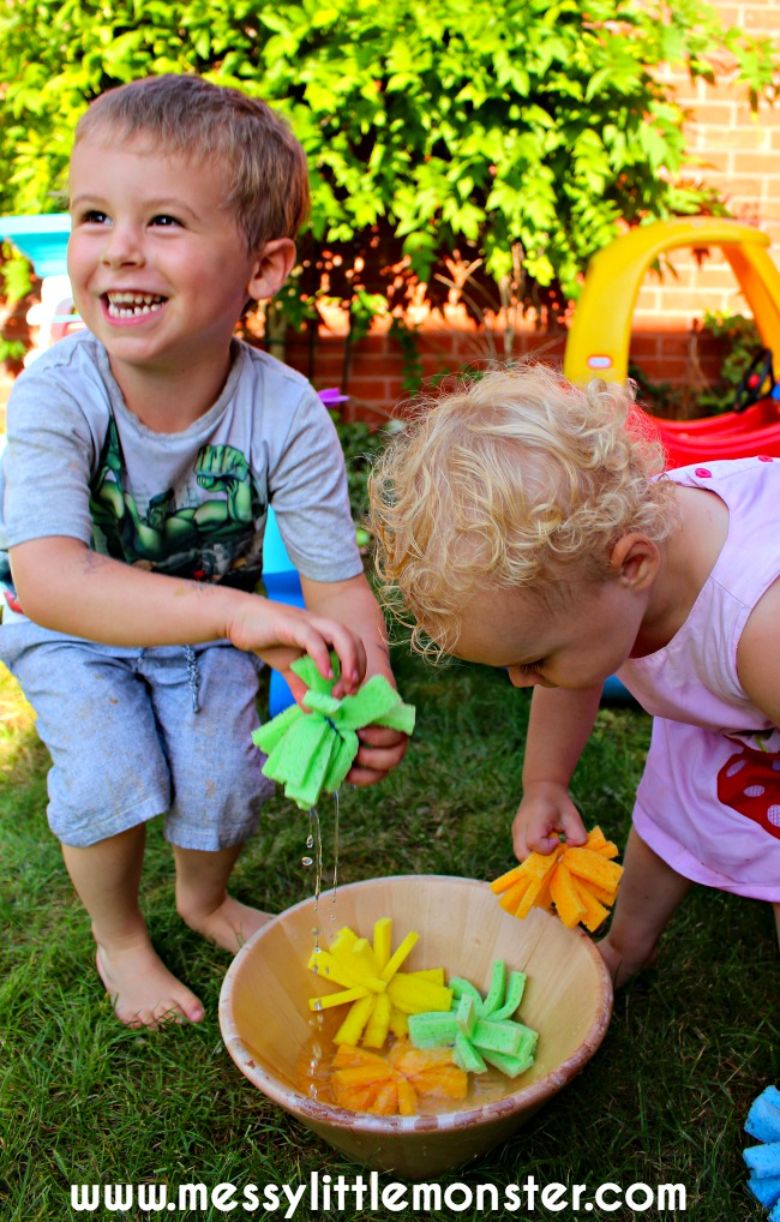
<point x="85" y="1100"/>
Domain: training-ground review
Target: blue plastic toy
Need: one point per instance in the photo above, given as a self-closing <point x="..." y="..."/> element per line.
<point x="763" y="1161"/>
<point x="283" y="585"/>
<point x="615" y="692"/>
<point x="43" y="239"/>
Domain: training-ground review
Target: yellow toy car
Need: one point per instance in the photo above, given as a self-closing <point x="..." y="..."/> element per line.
<point x="600" y="334"/>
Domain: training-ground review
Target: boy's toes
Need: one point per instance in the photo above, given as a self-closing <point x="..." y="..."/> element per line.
<point x="144" y="992"/>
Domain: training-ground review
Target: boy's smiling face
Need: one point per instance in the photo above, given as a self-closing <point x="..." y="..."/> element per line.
<point x="159" y="267"/>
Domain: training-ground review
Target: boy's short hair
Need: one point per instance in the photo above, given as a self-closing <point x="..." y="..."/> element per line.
<point x="266" y="183"/>
<point x="518" y="479"/>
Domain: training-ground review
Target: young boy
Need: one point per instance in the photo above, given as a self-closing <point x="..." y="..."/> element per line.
<point x="142" y="455"/>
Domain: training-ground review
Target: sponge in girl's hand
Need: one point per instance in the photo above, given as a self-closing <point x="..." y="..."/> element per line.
<point x="311" y="752"/>
<point x="581" y="883"/>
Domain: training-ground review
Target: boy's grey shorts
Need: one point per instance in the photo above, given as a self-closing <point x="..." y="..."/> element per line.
<point x="135" y="733"/>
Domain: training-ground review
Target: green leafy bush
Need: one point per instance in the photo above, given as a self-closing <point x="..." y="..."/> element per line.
<point x="741" y="342"/>
<point x="361" y="446"/>
<point x="15" y="286"/>
<point x="488" y="127"/>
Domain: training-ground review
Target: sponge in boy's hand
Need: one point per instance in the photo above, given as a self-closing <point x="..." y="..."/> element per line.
<point x="581" y="882"/>
<point x="763" y="1161"/>
<point x="311" y="752"/>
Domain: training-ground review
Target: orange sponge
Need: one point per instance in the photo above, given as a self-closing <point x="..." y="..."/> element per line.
<point x="580" y="883"/>
<point x="385" y="1086"/>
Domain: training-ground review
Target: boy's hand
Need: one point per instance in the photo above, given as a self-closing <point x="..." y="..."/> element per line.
<point x="352" y="600"/>
<point x="380" y="750"/>
<point x="546" y="808"/>
<point x="280" y="634"/>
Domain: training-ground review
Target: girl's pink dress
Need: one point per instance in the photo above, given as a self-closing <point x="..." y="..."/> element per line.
<point x="709" y="800"/>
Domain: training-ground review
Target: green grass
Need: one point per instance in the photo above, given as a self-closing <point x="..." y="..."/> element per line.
<point x="83" y="1099"/>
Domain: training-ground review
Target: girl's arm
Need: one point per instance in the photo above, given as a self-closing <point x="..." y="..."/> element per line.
<point x="64" y="586"/>
<point x="561" y="721"/>
<point x="758" y="655"/>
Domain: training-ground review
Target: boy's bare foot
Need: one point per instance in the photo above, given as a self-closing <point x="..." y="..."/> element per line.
<point x="229" y="925"/>
<point x="622" y="966"/>
<point x="144" y="992"/>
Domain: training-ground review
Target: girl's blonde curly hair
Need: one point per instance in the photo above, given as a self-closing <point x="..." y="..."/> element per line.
<point x="512" y="480"/>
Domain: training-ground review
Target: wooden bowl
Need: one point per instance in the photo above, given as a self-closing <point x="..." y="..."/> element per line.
<point x="267" y="1026"/>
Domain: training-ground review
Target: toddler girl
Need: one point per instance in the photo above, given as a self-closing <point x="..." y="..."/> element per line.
<point x="526" y="524"/>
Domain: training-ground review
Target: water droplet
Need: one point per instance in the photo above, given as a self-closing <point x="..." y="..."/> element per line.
<point x="317" y="1006"/>
<point x="306" y="861"/>
<point x="310" y="842"/>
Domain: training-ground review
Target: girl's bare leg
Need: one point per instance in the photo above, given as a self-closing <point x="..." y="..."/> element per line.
<point x="203" y="902"/>
<point x="650" y="891"/>
<point x="106" y="876"/>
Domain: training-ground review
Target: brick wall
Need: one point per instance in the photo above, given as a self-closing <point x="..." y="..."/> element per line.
<point x="735" y="151"/>
<point x="375" y="380"/>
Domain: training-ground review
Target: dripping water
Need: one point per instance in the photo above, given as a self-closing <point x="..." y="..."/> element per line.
<point x="336" y="814"/>
<point x="314" y="842"/>
<point x="317" y="1017"/>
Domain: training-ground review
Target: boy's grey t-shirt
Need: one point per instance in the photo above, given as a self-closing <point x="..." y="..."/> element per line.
<point x="191" y="504"/>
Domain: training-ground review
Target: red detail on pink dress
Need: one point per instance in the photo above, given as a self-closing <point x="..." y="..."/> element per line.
<point x="749" y="783"/>
<point x="703" y="473"/>
<point x="765" y="458"/>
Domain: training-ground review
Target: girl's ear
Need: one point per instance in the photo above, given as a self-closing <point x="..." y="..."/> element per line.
<point x="635" y="560"/>
<point x="273" y="264"/>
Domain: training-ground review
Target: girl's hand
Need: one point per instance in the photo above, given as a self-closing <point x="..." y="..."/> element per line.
<point x="280" y="634"/>
<point x="546" y="809"/>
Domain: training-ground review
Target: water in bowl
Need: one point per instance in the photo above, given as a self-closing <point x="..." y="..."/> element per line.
<point x="313" y="1072"/>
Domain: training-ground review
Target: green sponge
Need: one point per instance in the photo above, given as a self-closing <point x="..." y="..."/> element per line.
<point x="480" y="1031"/>
<point x="466" y="1056"/>
<point x="311" y="752"/>
<point x="466" y="1015"/>
<point x="512" y="998"/>
<point x="495" y="994"/>
<point x="433" y="1029"/>
<point x="511" y="1066"/>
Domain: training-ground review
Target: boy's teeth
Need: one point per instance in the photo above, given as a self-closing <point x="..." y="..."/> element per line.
<point x="128" y="305"/>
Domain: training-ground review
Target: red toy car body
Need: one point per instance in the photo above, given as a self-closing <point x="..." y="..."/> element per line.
<point x="732" y="435"/>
